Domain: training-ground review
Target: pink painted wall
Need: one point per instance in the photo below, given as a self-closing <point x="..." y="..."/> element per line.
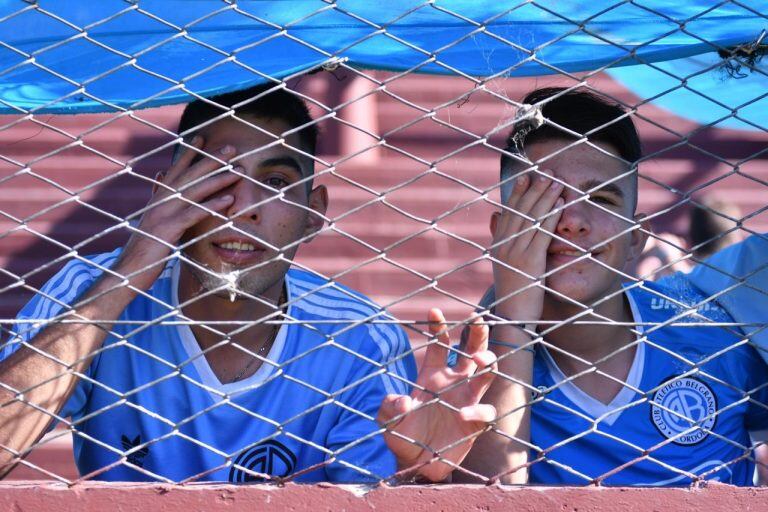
<point x="36" y="497"/>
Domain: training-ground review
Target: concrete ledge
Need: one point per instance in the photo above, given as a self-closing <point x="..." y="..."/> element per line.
<point x="36" y="496"/>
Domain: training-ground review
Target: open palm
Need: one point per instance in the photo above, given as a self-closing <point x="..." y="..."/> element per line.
<point x="432" y="430"/>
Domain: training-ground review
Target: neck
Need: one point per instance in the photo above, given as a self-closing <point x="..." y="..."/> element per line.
<point x="591" y="343"/>
<point x="225" y="315"/>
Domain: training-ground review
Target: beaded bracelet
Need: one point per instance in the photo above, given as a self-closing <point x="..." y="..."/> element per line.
<point x="513" y="346"/>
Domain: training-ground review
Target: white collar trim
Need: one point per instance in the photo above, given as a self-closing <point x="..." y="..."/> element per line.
<point x="200" y="363"/>
<point x="590" y="405"/>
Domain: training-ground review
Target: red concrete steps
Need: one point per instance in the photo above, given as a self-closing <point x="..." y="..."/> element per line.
<point x="482" y="113"/>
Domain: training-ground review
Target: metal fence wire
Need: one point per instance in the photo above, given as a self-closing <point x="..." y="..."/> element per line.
<point x="235" y="316"/>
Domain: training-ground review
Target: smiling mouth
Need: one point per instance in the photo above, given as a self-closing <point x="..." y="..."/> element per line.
<point x="239" y="252"/>
<point x="237" y="246"/>
<point x="565" y="252"/>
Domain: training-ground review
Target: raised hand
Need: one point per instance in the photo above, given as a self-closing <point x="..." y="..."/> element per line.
<point x="519" y="250"/>
<point x="185" y="195"/>
<point x="443" y="415"/>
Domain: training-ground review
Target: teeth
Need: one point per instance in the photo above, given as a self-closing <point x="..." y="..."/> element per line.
<point x="238" y="246"/>
<point x="569" y="253"/>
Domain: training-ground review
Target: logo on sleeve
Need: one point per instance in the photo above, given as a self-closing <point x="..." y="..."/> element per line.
<point x="684" y="410"/>
<point x="267" y="459"/>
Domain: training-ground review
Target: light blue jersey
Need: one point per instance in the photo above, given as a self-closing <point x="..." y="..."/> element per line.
<point x="150" y="407"/>
<point x="693" y="393"/>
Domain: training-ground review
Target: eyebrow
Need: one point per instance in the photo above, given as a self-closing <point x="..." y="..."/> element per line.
<point x="283" y="161"/>
<point x="599" y="186"/>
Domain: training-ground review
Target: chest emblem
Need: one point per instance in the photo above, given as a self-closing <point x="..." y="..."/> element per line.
<point x="684" y="410"/>
<point x="268" y="459"/>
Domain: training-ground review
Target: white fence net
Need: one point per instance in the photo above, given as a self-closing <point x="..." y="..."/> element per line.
<point x="149" y="311"/>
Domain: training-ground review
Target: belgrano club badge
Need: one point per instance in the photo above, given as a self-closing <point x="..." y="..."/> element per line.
<point x="683" y="410"/>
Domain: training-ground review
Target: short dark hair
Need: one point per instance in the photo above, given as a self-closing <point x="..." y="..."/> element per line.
<point x="579" y="111"/>
<point x="266" y="101"/>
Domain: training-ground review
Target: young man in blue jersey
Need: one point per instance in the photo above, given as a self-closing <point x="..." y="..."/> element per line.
<point x="624" y="382"/>
<point x="196" y="352"/>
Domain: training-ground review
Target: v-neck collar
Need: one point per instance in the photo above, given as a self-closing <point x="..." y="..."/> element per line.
<point x="200" y="363"/>
<point x="587" y="403"/>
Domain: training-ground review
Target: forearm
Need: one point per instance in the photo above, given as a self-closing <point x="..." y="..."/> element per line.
<point x="37" y="379"/>
<point x="503" y="449"/>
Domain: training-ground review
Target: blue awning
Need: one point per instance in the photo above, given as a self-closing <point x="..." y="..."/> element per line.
<point x="79" y="56"/>
<point x="701" y="89"/>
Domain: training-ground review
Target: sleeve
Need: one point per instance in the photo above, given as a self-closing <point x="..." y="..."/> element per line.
<point x="54" y="298"/>
<point x="387" y="367"/>
<point x="738" y="279"/>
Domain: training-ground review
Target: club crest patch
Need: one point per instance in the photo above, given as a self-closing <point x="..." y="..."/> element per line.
<point x="680" y="404"/>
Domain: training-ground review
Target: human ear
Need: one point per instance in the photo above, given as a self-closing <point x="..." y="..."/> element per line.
<point x="318" y="205"/>
<point x="158" y="180"/>
<point x="494" y="221"/>
<point x="639" y="236"/>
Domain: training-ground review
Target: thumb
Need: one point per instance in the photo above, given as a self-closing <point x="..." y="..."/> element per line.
<point x="393" y="407"/>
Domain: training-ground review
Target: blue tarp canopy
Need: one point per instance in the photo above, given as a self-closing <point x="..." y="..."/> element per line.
<point x="699" y="88"/>
<point x="79" y="56"/>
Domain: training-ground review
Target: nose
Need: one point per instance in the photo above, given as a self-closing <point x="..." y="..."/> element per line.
<point x="574" y="220"/>
<point x="247" y="198"/>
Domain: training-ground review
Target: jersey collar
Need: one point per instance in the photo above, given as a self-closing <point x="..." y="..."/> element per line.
<point x="610" y="412"/>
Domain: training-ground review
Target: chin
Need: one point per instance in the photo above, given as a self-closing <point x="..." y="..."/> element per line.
<point x="583" y="288"/>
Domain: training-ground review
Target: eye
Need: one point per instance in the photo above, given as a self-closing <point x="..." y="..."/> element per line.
<point x="603" y="199"/>
<point x="276" y="182"/>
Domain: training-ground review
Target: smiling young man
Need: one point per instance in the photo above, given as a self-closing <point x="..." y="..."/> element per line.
<point x="196" y="352"/>
<point x="625" y="382"/>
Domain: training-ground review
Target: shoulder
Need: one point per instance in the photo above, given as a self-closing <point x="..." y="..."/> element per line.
<point x="344" y="313"/>
<point x="676" y="299"/>
<point x="58" y="294"/>
<point x="323" y="298"/>
<point x="76" y="275"/>
<point x="680" y="317"/>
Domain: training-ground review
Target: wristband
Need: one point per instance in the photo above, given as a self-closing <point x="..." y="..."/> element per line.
<point x="513" y="346"/>
<point x="527" y="328"/>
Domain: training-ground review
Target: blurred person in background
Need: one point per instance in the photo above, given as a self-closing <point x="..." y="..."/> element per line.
<point x="663" y="255"/>
<point x="713" y="225"/>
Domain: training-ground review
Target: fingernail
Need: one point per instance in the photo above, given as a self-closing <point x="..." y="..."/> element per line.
<point x="238" y="168"/>
<point x="227" y="198"/>
<point x="560" y="202"/>
<point x="227" y="150"/>
<point x="556" y="184"/>
<point x="196" y="139"/>
<point x="543" y="177"/>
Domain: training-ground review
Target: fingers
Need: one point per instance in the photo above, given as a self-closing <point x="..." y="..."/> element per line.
<point x="477" y="341"/>
<point x="437" y="349"/>
<point x="507" y="214"/>
<point x="480" y="383"/>
<point x="528" y="201"/>
<point x="214" y="161"/>
<point x="542" y="207"/>
<point x="541" y="241"/>
<point x="184" y="174"/>
<point x="484" y="413"/>
<point x="197" y="212"/>
<point x="539" y="183"/>
<point x="187" y="156"/>
<point x="392" y="407"/>
<point x="209" y="185"/>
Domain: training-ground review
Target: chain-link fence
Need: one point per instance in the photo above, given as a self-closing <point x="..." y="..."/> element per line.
<point x="239" y="290"/>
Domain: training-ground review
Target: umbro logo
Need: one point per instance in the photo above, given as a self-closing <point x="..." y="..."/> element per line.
<point x="135" y="457"/>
